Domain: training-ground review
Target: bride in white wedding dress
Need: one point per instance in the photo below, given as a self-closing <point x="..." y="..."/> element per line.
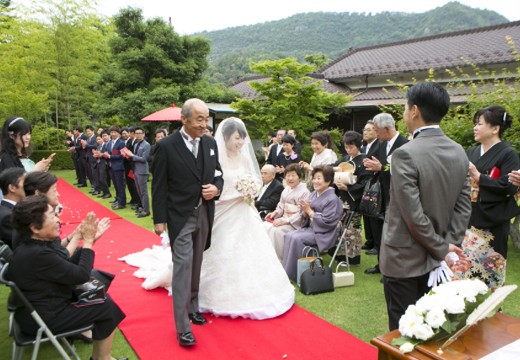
<point x="241" y="275"/>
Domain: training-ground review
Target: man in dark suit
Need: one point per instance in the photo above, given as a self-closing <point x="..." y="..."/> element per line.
<point x="430" y="204"/>
<point x="184" y="189"/>
<point x="390" y="139"/>
<point x="271" y="191"/>
<point x="70" y="142"/>
<point x="370" y="148"/>
<point x="276" y="148"/>
<point x="130" y="141"/>
<point x="91" y="145"/>
<point x="139" y="156"/>
<point x="11" y="184"/>
<point x="116" y="166"/>
<point x="80" y="144"/>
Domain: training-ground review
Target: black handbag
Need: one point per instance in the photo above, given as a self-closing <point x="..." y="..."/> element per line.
<point x="372" y="200"/>
<point x="90" y="293"/>
<point x="316" y="279"/>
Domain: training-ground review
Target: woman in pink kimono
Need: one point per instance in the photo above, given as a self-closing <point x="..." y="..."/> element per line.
<point x="322" y="212"/>
<point x="287" y="216"/>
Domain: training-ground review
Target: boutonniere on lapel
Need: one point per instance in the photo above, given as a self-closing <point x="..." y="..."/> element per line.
<point x="388" y="163"/>
<point x="211" y="152"/>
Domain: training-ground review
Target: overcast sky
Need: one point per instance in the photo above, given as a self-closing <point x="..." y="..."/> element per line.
<point x="190" y="16"/>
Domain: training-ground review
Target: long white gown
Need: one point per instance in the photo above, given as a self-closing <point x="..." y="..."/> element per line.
<point x="241" y="275"/>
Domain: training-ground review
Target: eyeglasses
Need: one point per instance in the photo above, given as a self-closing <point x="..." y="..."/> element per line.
<point x="368" y="130"/>
<point x="139" y="133"/>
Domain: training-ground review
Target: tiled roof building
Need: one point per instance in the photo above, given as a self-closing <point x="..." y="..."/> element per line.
<point x="368" y="73"/>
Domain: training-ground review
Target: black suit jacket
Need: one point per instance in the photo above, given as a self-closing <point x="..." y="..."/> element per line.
<point x="6" y="227"/>
<point x="177" y="184"/>
<point x="271" y="196"/>
<point x="374" y="149"/>
<point x="384" y="174"/>
<point x="81" y="152"/>
<point x="273" y="153"/>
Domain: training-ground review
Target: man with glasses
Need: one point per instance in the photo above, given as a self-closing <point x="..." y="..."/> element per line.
<point x="371" y="225"/>
<point x="139" y="157"/>
<point x="276" y="148"/>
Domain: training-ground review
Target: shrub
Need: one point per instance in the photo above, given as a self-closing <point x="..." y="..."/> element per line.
<point x="62" y="159"/>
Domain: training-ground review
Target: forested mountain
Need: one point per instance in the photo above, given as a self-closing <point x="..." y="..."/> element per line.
<point x="331" y="34"/>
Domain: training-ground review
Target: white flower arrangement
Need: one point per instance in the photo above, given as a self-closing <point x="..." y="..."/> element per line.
<point x="440" y="313"/>
<point x="248" y="187"/>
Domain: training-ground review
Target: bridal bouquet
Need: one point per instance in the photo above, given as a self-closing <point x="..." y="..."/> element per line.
<point x="441" y="312"/>
<point x="247" y="186"/>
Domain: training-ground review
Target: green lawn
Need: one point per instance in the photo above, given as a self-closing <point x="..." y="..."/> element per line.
<point x="359" y="309"/>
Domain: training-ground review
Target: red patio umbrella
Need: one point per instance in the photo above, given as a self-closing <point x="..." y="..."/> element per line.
<point x="171" y="113"/>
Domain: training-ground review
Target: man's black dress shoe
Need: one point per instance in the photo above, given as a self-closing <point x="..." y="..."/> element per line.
<point x="197" y="318"/>
<point x="82" y="185"/>
<point x="143" y="214"/>
<point x="186" y="339"/>
<point x="95" y="192"/>
<point x="367" y="246"/>
<point x="372" y="252"/>
<point x="118" y="207"/>
<point x="105" y="196"/>
<point x="373" y="270"/>
<point x="91" y="358"/>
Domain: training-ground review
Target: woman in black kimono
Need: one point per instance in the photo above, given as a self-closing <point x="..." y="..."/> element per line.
<point x="492" y="194"/>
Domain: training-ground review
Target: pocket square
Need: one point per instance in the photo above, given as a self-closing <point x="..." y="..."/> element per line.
<point x="218" y="173"/>
<point x="211" y="152"/>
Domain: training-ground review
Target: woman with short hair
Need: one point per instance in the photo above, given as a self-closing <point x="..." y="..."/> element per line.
<point x="322" y="212"/>
<point x="48" y="280"/>
<point x="287" y="216"/>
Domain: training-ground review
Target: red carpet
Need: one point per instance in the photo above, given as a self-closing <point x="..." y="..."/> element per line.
<point x="149" y="326"/>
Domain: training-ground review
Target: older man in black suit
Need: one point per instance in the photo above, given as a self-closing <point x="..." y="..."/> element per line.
<point x="276" y="148"/>
<point x="184" y="189"/>
<point x="271" y="191"/>
<point x="390" y="139"/>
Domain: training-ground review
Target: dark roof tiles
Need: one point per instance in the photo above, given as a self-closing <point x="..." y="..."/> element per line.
<point x="487" y="45"/>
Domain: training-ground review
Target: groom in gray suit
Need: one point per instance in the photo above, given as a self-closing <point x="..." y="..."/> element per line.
<point x="187" y="179"/>
<point x="429" y="206"/>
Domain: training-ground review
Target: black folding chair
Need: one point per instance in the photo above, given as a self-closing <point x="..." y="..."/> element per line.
<point x="44" y="334"/>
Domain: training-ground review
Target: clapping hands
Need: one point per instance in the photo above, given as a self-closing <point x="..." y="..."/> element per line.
<point x="88" y="229"/>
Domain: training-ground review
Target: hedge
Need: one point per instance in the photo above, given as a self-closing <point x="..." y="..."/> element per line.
<point x="62" y="160"/>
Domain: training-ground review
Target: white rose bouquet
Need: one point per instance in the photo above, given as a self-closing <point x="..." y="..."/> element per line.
<point x="440" y="313"/>
<point x="247" y="186"/>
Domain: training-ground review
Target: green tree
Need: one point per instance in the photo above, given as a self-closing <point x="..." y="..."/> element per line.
<point x="289" y="98"/>
<point x="51" y="60"/>
<point x="151" y="67"/>
<point x="25" y="83"/>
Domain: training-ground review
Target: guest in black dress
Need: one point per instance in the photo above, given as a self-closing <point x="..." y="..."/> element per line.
<point x="15" y="142"/>
<point x="286" y="157"/>
<point x="492" y="194"/>
<point x="351" y="194"/>
<point x="48" y="279"/>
